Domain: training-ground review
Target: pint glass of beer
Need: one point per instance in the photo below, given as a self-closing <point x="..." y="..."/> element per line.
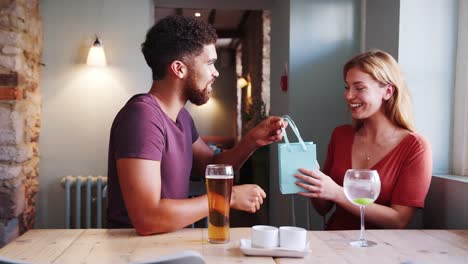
<point x="219" y="178"/>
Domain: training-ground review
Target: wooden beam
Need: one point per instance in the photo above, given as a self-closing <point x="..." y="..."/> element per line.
<point x="212" y="16"/>
<point x="234" y="43"/>
<point x="243" y="21"/>
<point x="228" y="33"/>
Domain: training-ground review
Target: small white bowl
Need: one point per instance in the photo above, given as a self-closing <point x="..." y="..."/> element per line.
<point x="265" y="236"/>
<point x="293" y="237"/>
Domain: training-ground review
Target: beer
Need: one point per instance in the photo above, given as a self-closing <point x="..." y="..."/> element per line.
<point x="219" y="196"/>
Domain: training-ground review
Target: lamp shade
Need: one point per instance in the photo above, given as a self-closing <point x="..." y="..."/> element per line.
<point x="241" y="82"/>
<point x="96" y="55"/>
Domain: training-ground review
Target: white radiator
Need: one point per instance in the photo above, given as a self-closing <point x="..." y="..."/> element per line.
<point x="87" y="191"/>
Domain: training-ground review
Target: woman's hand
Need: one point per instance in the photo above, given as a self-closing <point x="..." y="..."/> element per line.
<point x="318" y="184"/>
<point x="247" y="197"/>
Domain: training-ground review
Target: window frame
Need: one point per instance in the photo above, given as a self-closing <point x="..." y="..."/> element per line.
<point x="460" y="118"/>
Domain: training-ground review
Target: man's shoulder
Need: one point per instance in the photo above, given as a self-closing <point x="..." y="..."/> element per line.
<point x="142" y="104"/>
<point x="139" y="111"/>
<point x="142" y="100"/>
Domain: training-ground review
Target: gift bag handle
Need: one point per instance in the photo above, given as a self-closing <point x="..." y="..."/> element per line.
<point x="295" y="130"/>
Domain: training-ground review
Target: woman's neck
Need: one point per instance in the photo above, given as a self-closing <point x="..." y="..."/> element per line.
<point x="377" y="129"/>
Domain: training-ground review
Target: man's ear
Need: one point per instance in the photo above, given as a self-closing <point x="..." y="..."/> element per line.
<point x="178" y="68"/>
<point x="389" y="90"/>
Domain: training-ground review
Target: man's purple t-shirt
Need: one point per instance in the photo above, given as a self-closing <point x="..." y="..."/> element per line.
<point x="143" y="130"/>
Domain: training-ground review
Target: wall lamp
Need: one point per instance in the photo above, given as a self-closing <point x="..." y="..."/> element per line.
<point x="242" y="82"/>
<point x="96" y="55"/>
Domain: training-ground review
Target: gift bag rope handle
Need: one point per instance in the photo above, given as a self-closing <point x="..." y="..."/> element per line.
<point x="295" y="130"/>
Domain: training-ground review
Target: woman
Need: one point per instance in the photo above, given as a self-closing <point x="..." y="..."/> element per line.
<point x="382" y="138"/>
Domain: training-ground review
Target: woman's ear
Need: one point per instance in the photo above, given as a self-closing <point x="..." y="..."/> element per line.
<point x="389" y="90"/>
<point x="178" y="68"/>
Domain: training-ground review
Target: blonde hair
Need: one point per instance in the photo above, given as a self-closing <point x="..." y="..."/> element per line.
<point x="385" y="70"/>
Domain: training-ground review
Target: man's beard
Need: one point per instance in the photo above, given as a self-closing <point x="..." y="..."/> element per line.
<point x="194" y="95"/>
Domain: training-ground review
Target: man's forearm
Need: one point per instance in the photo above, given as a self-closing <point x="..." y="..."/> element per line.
<point x="237" y="155"/>
<point x="172" y="214"/>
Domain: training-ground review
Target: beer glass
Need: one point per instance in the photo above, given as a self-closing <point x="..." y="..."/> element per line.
<point x="219" y="179"/>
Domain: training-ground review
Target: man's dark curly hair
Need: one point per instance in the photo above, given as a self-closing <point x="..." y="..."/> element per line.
<point x="175" y="38"/>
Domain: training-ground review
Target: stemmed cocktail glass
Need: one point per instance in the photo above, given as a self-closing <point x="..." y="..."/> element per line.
<point x="362" y="187"/>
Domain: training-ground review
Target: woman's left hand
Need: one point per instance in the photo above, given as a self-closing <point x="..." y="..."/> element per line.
<point x="318" y="184"/>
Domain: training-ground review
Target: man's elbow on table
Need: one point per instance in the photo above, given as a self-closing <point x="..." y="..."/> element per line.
<point x="145" y="232"/>
<point x="146" y="227"/>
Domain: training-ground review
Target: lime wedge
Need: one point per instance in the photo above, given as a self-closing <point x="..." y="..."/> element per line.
<point x="363" y="201"/>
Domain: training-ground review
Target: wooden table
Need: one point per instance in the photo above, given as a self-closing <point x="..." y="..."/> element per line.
<point x="124" y="246"/>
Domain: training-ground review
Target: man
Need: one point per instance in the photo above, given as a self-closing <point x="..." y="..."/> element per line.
<point x="154" y="142"/>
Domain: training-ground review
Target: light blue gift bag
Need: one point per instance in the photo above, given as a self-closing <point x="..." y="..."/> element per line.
<point x="292" y="156"/>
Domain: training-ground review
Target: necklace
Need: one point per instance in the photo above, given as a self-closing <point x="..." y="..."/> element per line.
<point x="367" y="157"/>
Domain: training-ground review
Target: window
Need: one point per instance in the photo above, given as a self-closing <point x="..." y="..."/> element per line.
<point x="460" y="130"/>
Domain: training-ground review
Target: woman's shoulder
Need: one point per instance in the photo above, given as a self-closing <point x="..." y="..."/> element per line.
<point x="415" y="146"/>
<point x="344" y="130"/>
<point x="417" y="141"/>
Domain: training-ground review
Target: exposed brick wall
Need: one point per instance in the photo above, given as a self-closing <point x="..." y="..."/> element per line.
<point x="266" y="60"/>
<point x="256" y="64"/>
<point x="20" y="109"/>
<point x="253" y="59"/>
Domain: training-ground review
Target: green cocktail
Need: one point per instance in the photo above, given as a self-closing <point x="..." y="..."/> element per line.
<point x="363" y="201"/>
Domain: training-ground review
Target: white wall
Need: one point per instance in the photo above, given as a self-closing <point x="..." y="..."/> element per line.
<point x="428" y="46"/>
<point x="427" y="55"/>
<point x="79" y="102"/>
<point x="422" y="36"/>
<point x="279" y="104"/>
<point x="425" y="47"/>
<point x="427" y="50"/>
<point x="322" y="36"/>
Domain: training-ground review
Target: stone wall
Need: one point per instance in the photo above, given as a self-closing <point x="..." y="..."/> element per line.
<point x="20" y="109"/>
<point x="253" y="61"/>
<point x="256" y="64"/>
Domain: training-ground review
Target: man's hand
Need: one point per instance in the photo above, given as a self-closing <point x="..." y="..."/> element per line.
<point x="266" y="132"/>
<point x="247" y="197"/>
